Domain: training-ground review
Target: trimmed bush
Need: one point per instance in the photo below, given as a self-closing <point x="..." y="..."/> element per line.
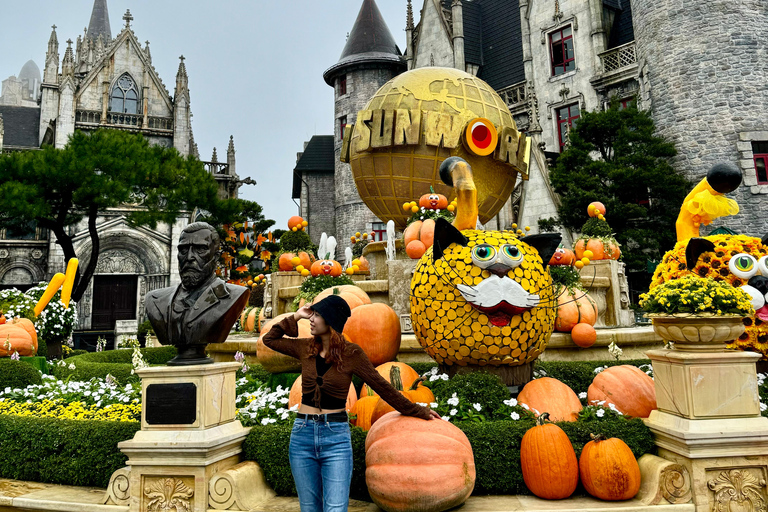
<point x="476" y="387"/>
<point x="42" y="347"/>
<point x="422" y="368"/>
<point x="113" y="362"/>
<point x="17" y="374"/>
<point x="496" y="446"/>
<point x="75" y="353"/>
<point x="68" y="452"/>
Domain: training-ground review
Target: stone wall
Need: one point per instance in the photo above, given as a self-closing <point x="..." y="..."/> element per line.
<point x="704" y="66"/>
<point x="23" y="262"/>
<point x="351" y="214"/>
<point x="434" y="46"/>
<point x="317" y="207"/>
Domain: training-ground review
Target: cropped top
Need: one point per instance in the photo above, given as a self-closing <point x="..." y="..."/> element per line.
<point x="283" y="337"/>
<point x="326" y="401"/>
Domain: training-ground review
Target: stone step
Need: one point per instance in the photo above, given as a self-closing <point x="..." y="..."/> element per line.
<point x="19" y="496"/>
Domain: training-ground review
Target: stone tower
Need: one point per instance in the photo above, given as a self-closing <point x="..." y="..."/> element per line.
<point x="369" y="60"/>
<point x="702" y="71"/>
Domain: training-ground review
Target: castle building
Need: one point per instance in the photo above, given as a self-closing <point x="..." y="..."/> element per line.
<point x="102" y="83"/>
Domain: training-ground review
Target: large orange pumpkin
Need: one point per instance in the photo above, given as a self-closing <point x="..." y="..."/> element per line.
<point x="352" y="294"/>
<point x="407" y="375"/>
<point x="27" y="325"/>
<point x="326" y="267"/>
<point x="627" y="387"/>
<point x="562" y="256"/>
<point x="549" y="395"/>
<point x="609" y="470"/>
<point x="419" y="236"/>
<point x="363" y="410"/>
<point x="14" y="338"/>
<point x="600" y="250"/>
<point x="550" y="468"/>
<point x="294" y="398"/>
<point x="273" y="361"/>
<point x="417" y="465"/>
<point x="574" y="307"/>
<point x="376" y="328"/>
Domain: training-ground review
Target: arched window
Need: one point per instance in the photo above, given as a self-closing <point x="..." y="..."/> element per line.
<point x="125" y="96"/>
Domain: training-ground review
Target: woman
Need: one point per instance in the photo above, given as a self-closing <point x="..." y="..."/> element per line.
<point x="321" y="449"/>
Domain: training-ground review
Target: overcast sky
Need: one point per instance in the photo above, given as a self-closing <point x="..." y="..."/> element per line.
<point x="255" y="69"/>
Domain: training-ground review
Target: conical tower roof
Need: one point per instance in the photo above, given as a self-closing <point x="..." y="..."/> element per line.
<point x="99" y="24"/>
<point x="369" y="41"/>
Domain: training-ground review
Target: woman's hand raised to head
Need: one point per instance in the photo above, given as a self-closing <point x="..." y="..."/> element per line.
<point x="303" y="312"/>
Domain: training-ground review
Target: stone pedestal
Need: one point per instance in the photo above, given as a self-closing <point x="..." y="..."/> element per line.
<point x="709" y="422"/>
<point x="399" y="276"/>
<point x="281" y="280"/>
<point x="606" y="283"/>
<point x="188" y="435"/>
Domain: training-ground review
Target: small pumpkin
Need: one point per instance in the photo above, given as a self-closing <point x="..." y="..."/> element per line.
<point x="574" y="306"/>
<point x="249" y="319"/>
<point x="550" y="468"/>
<point x="609" y="470"/>
<point x="562" y="256"/>
<point x="273" y="361"/>
<point x="608" y="250"/>
<point x="419" y="393"/>
<point x="296" y="394"/>
<point x="627" y="387"/>
<point x="363" y="410"/>
<point x="326" y="267"/>
<point x="363" y="264"/>
<point x="14" y="338"/>
<point x="407" y="375"/>
<point x="352" y="294"/>
<point x="584" y="335"/>
<point x="417" y="465"/>
<point x="596" y="208"/>
<point x="549" y="395"/>
<point x="284" y="263"/>
<point x="417" y="234"/>
<point x="296" y="223"/>
<point x="433" y="200"/>
<point x="376" y="328"/>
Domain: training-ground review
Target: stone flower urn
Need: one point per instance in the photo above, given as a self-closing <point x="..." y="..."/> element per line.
<point x="698" y="333"/>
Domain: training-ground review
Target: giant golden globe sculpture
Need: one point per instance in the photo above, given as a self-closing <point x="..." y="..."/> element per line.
<point x="417" y="120"/>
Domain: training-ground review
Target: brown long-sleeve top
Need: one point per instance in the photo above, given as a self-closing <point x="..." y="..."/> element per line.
<point x="336" y="383"/>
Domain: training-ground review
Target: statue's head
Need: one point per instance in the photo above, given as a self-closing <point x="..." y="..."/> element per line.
<point x="198" y="251"/>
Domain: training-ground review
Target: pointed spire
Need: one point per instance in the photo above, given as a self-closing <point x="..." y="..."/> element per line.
<point x="99" y="24"/>
<point x="409" y="17"/>
<point x="214" y="157"/>
<point x="78" y="50"/>
<point x="146" y="51"/>
<point x="128" y="18"/>
<point x="68" y="65"/>
<point x="231" y="147"/>
<point x="53" y="42"/>
<point x="182" y="80"/>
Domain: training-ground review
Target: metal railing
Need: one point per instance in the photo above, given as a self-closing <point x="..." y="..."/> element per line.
<point x="619" y="57"/>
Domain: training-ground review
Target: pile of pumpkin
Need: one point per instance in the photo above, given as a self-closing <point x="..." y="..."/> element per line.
<point x="607" y="468"/>
<point x="576" y="311"/>
<point x="420" y="233"/>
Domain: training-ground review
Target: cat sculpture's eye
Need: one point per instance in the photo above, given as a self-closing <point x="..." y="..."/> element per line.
<point x="483" y="255"/>
<point x="512" y="256"/>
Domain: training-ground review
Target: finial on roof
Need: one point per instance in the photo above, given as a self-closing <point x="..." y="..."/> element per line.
<point x="231" y="147"/>
<point x="128" y="17"/>
<point x="53" y="27"/>
<point x="146" y="51"/>
<point x="409" y="17"/>
<point x="214" y="158"/>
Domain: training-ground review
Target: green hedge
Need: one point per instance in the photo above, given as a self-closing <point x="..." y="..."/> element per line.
<point x="114" y="362"/>
<point x="68" y="452"/>
<point x="496" y="446"/>
<point x="17" y="374"/>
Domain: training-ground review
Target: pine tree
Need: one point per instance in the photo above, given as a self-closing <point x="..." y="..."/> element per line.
<point x="614" y="157"/>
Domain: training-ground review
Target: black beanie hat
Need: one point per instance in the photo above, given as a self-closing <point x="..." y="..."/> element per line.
<point x="334" y="311"/>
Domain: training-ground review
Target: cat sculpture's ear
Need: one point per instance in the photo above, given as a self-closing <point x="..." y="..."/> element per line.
<point x="545" y="243"/>
<point x="695" y="248"/>
<point x="445" y="235"/>
<point x="764" y="241"/>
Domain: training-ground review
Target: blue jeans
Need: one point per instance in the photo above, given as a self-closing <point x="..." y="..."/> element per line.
<point x="321" y="462"/>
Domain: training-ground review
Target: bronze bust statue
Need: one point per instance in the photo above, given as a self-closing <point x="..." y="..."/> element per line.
<point x="203" y="308"/>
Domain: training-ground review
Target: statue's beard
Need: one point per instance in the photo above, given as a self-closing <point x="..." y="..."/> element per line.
<point x="192" y="276"/>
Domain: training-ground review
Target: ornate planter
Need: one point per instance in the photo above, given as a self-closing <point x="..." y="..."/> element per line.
<point x="698" y="333"/>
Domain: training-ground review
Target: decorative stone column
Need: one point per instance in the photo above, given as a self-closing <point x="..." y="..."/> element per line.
<point x="708" y="420"/>
<point x="188" y="436"/>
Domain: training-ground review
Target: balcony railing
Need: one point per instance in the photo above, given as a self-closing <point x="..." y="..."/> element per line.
<point x="93" y="117"/>
<point x="514" y="94"/>
<point x="619" y="57"/>
<point x="216" y="168"/>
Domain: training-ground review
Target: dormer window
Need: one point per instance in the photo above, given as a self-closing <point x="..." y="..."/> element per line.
<point x="125" y="96"/>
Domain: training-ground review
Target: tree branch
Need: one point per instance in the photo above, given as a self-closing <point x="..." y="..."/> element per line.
<point x="85" y="278"/>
